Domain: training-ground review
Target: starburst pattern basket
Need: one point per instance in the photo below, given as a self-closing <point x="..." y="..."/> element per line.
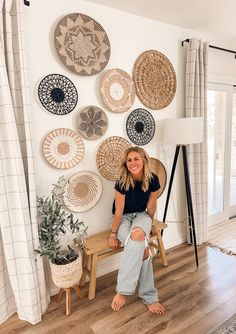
<point x="154" y="79"/>
<point x="109" y="156"/>
<point x="63" y="148"/>
<point x="158" y="168"/>
<point x="82" y="44"/>
<point x="57" y="94"/>
<point x="92" y="122"/>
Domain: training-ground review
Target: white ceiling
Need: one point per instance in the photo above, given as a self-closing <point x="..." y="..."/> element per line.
<point x="215" y="17"/>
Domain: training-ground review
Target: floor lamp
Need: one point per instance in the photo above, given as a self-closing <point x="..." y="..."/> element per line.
<point x="181" y="132"/>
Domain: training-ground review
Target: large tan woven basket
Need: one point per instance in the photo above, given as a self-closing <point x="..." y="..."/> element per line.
<point x="154" y="79"/>
<point x="67" y="275"/>
<point x="109" y="156"/>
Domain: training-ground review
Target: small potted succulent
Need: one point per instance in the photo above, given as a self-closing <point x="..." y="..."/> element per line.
<point x="55" y="221"/>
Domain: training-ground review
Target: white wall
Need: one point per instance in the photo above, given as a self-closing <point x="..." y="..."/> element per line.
<point x="129" y="36"/>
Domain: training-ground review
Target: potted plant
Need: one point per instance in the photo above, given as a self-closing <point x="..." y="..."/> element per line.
<point x="55" y="221"/>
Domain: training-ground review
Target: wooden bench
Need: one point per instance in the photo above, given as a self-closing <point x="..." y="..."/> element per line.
<point x="97" y="248"/>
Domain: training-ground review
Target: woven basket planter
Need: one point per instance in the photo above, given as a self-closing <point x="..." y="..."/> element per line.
<point x="66" y="275"/>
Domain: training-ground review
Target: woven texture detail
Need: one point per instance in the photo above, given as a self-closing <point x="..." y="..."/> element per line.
<point x="154" y="79"/>
<point x="67" y="275"/>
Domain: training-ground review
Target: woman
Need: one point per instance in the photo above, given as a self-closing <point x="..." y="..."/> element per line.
<point x="134" y="208"/>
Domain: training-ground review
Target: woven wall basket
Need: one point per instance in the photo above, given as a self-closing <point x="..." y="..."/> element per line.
<point x="82" y="191"/>
<point x="109" y="156"/>
<point x="63" y="148"/>
<point x="57" y="94"/>
<point x="140" y="126"/>
<point x="158" y="168"/>
<point x="92" y="122"/>
<point x="117" y="90"/>
<point x="82" y="44"/>
<point x="154" y="79"/>
<point x="66" y="275"/>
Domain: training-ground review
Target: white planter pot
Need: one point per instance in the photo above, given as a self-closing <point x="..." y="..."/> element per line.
<point x="67" y="275"/>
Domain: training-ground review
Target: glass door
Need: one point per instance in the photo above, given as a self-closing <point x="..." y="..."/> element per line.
<point x="221" y="153"/>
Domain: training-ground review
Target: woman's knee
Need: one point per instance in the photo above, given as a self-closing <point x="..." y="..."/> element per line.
<point x="138" y="234"/>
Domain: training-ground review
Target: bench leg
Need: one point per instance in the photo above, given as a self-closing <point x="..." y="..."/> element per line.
<point x="85" y="264"/>
<point x="68" y="302"/>
<point x="93" y="274"/>
<point x="162" y="249"/>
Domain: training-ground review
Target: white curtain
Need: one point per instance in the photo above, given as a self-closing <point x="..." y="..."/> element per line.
<point x="196" y="105"/>
<point x="22" y="281"/>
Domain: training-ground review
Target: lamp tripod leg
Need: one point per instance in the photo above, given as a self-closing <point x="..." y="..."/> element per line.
<point x="170" y="183"/>
<point x="189" y="200"/>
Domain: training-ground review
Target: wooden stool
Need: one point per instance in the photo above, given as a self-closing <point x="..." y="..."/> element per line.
<point x="97" y="248"/>
<point x="68" y="299"/>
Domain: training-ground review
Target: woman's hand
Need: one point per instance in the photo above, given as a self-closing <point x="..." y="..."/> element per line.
<point x="153" y="231"/>
<point x="113" y="243"/>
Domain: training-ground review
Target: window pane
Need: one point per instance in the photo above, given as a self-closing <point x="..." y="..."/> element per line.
<point x="216" y="143"/>
<point x="233" y="156"/>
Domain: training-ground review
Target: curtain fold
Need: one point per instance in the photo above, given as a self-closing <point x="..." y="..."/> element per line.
<point x="196" y="105"/>
<point x="22" y="280"/>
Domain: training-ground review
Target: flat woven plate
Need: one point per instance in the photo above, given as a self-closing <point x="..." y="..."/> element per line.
<point x="140" y="126"/>
<point x="82" y="44"/>
<point x="117" y="90"/>
<point x="158" y="168"/>
<point x="57" y="94"/>
<point x="63" y="148"/>
<point x="109" y="156"/>
<point x="92" y="122"/>
<point x="82" y="191"/>
<point x="154" y="79"/>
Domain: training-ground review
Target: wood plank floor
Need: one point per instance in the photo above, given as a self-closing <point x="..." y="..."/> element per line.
<point x="223" y="235"/>
<point x="196" y="300"/>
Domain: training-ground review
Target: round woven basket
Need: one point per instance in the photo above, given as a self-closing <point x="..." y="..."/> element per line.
<point x="117" y="90"/>
<point x="158" y="168"/>
<point x="109" y="156"/>
<point x="67" y="275"/>
<point x="82" y="44"/>
<point x="154" y="79"/>
<point x="63" y="148"/>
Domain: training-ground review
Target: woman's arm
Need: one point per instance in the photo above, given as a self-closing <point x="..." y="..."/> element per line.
<point x="152" y="204"/>
<point x="119" y="208"/>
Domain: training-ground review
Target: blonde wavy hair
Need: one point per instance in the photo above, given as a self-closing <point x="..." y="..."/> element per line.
<point x="125" y="179"/>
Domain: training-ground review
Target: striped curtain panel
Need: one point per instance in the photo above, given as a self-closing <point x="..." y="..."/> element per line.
<point x="22" y="281"/>
<point x="196" y="105"/>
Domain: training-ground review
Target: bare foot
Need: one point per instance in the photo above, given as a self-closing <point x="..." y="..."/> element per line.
<point x="156" y="308"/>
<point x="118" y="302"/>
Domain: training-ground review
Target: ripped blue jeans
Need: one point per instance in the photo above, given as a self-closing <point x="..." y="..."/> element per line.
<point x="134" y="271"/>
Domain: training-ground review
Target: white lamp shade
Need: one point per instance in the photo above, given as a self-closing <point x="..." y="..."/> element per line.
<point x="181" y="131"/>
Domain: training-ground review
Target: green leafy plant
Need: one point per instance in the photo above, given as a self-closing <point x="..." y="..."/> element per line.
<point x="55" y="221"/>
